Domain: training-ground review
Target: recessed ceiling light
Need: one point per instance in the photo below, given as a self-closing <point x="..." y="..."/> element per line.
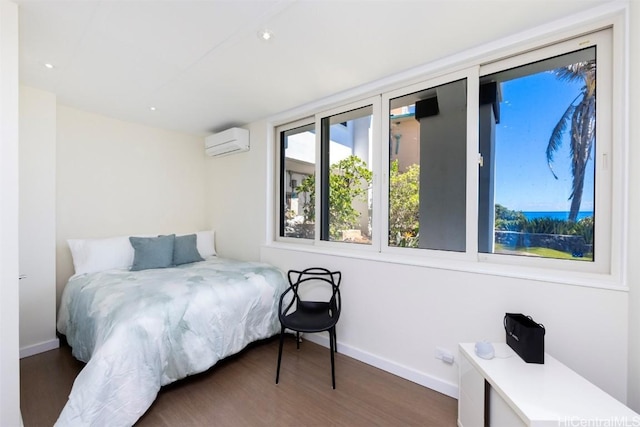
<point x="49" y="66"/>
<point x="265" y="34"/>
<point x="152" y="108"/>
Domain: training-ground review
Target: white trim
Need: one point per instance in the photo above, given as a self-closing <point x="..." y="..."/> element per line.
<point x="386" y="365"/>
<point x="39" y="348"/>
<point x="546" y="275"/>
<point x="620" y="125"/>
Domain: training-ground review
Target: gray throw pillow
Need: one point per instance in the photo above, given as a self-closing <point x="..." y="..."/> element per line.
<point x="185" y="250"/>
<point x="152" y="252"/>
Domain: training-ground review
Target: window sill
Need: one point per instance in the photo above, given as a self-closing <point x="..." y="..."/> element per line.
<point x="484" y="267"/>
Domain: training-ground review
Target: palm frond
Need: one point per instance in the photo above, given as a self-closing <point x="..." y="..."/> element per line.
<point x="579" y="71"/>
<point x="555" y="141"/>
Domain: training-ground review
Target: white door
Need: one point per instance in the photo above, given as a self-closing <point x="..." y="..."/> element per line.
<point x="9" y="350"/>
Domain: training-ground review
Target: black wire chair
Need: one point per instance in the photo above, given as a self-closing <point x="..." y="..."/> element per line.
<point x="301" y="315"/>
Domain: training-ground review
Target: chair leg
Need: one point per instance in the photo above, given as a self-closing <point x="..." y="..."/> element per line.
<point x="335" y="340"/>
<point x="332" y="349"/>
<point x="280" y="355"/>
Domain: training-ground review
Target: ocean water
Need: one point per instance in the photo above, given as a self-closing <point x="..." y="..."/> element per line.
<point x="563" y="215"/>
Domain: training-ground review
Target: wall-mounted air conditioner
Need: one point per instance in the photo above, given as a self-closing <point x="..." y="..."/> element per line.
<point x="230" y="141"/>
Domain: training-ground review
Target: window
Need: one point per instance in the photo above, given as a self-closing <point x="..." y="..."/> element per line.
<point x="346" y="198"/>
<point x="541" y="124"/>
<point x="297" y="188"/>
<point x="427" y="168"/>
<point x="346" y="176"/>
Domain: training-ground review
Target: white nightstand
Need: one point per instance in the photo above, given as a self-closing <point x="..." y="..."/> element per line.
<point x="507" y="391"/>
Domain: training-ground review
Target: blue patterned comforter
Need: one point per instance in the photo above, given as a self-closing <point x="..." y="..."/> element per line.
<point x="140" y="330"/>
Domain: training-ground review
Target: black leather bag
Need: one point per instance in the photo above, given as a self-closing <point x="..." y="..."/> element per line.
<point x="525" y="337"/>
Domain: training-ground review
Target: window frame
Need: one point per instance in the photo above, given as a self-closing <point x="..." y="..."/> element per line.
<point x="278" y="181"/>
<point x="543" y="270"/>
<point x="373" y="101"/>
<point x="604" y="170"/>
<point x="471" y="76"/>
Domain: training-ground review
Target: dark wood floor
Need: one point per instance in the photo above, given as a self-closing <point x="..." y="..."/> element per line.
<point x="241" y="391"/>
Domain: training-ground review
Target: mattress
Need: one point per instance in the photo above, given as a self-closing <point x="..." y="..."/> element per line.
<point x="140" y="330"/>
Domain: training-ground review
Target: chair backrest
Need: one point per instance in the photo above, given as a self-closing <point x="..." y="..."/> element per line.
<point x="308" y="278"/>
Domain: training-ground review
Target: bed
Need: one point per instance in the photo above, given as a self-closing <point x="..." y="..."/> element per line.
<point x="140" y="330"/>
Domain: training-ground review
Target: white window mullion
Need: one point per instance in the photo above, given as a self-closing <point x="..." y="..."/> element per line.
<point x="383" y="182"/>
<point x="473" y="95"/>
<point x="377" y="218"/>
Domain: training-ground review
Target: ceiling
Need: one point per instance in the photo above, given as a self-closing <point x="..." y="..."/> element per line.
<point x="203" y="68"/>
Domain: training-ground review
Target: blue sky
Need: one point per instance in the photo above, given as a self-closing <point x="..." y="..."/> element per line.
<point x="530" y="108"/>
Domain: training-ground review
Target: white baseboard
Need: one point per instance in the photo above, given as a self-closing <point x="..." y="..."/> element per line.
<point x="39" y="348"/>
<point x="410" y="374"/>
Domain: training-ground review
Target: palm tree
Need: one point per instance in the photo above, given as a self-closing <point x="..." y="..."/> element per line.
<point x="581" y="116"/>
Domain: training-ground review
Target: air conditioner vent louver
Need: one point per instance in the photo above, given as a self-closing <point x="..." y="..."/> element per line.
<point x="230" y="141"/>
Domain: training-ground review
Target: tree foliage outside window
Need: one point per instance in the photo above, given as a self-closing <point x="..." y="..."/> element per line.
<point x="404" y="205"/>
<point x="510" y="220"/>
<point x="349" y="181"/>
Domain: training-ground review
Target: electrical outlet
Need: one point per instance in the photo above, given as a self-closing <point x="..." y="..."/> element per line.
<point x="445" y="355"/>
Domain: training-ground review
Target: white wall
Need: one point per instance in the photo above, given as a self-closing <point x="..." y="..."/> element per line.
<point x="9" y="366"/>
<point x="236" y="199"/>
<point x="116" y="178"/>
<point x="634" y="210"/>
<point x="395" y="315"/>
<point x="37" y="221"/>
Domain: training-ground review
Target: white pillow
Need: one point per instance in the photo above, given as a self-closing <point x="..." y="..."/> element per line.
<point x="93" y="255"/>
<point x="206" y="243"/>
